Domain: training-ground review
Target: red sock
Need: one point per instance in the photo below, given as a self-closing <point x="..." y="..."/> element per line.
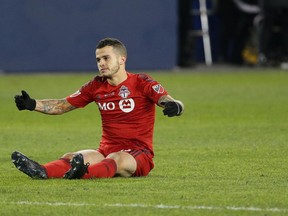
<point x="105" y="169"/>
<point x="57" y="168"/>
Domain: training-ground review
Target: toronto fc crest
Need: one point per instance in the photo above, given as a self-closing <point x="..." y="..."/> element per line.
<point x="124" y="92"/>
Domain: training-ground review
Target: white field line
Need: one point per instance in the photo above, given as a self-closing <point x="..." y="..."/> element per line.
<point x="161" y="206"/>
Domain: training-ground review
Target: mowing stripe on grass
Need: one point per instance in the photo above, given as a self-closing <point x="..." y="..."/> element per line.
<point x="161" y="206"/>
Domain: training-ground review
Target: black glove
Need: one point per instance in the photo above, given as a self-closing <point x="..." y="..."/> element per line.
<point x="172" y="108"/>
<point x="25" y="102"/>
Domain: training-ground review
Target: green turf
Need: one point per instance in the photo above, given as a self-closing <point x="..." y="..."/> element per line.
<point x="227" y="155"/>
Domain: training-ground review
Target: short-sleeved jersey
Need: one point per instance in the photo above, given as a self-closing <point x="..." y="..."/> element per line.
<point x="127" y="110"/>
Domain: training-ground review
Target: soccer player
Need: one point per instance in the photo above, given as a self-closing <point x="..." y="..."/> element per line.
<point x="126" y="102"/>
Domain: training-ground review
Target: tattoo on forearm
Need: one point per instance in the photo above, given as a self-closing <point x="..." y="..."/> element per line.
<point x="53" y="107"/>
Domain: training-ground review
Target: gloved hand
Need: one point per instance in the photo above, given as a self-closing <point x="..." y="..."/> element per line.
<point x="172" y="108"/>
<point x="25" y="102"/>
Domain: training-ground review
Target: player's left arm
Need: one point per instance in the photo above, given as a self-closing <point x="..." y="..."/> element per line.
<point x="171" y="106"/>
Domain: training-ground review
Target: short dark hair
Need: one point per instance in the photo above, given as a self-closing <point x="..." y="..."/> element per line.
<point x="113" y="42"/>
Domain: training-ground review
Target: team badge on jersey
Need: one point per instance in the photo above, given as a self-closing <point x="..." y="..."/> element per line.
<point x="158" y="88"/>
<point x="124" y="92"/>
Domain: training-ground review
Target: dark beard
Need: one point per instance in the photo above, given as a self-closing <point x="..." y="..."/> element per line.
<point x="113" y="70"/>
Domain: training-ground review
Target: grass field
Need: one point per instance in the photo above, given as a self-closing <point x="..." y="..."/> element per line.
<point x="227" y="155"/>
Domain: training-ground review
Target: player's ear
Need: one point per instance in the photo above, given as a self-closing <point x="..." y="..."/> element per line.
<point x="122" y="60"/>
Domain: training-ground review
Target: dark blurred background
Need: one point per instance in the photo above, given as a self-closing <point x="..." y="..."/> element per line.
<point x="38" y="35"/>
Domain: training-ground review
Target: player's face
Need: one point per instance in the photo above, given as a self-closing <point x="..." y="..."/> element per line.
<point x="108" y="61"/>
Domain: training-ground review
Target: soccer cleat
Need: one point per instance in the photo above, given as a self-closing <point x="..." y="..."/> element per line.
<point x="78" y="168"/>
<point x="28" y="166"/>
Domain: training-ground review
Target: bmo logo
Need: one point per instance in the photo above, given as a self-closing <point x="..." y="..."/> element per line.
<point x="127" y="105"/>
<point x="106" y="106"/>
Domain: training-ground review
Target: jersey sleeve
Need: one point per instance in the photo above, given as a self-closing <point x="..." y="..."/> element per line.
<point x="151" y="88"/>
<point x="82" y="97"/>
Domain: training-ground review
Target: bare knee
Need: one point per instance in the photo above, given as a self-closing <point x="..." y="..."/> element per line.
<point x="115" y="156"/>
<point x="68" y="155"/>
<point x="126" y="164"/>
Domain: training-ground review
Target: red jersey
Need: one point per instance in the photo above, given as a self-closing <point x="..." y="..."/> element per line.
<point x="127" y="110"/>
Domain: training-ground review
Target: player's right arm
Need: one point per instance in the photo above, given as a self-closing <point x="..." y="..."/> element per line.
<point x="53" y="106"/>
<point x="48" y="106"/>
